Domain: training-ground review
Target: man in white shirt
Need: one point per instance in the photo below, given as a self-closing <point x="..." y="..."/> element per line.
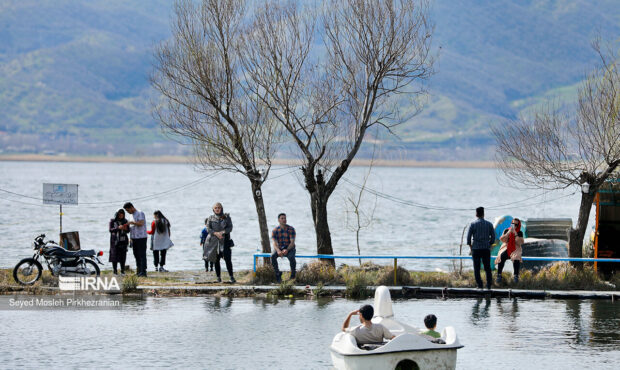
<point x="137" y="233"/>
<point x="366" y="332"/>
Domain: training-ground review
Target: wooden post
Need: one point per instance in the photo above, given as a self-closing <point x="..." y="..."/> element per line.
<point x="61" y="218"/>
<point x="598" y="207"/>
<point x="395" y="267"/>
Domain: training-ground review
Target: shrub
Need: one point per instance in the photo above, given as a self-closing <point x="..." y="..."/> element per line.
<point x="357" y="285"/>
<point x="264" y="275"/>
<point x="387" y="276"/>
<point x="318" y="272"/>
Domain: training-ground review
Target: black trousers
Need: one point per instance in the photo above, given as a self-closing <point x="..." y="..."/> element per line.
<point x="483" y="255"/>
<point x="139" y="252"/>
<point x="227" y="256"/>
<point x="504" y="257"/>
<point x="207" y="264"/>
<point x="156" y="257"/>
<point x="291" y="259"/>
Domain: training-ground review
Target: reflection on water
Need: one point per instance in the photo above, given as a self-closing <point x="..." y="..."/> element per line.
<point x="227" y="333"/>
<point x="480" y="310"/>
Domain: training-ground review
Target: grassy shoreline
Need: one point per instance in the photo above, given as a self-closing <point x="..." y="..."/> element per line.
<point x="187" y="160"/>
<point x="355" y="279"/>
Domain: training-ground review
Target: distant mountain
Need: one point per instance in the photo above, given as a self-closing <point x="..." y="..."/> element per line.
<point x="74" y="74"/>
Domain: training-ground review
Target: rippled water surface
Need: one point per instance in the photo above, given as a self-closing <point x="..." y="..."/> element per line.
<point x="234" y="333"/>
<point x="396" y="228"/>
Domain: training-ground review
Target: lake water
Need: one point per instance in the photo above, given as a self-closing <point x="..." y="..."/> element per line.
<point x="227" y="333"/>
<point x="185" y="196"/>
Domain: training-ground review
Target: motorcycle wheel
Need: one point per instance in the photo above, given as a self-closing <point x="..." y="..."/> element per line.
<point x="27" y="271"/>
<point x="92" y="268"/>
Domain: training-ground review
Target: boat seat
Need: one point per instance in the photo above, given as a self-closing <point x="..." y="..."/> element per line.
<point x="371" y="346"/>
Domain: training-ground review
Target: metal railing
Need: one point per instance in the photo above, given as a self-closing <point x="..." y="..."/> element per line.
<point x="396" y="258"/>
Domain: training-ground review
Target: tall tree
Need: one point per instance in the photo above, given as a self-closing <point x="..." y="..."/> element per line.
<point x="375" y="51"/>
<point x="207" y="99"/>
<point x="551" y="149"/>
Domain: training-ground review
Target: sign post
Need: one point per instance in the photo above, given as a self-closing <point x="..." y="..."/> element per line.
<point x="60" y="194"/>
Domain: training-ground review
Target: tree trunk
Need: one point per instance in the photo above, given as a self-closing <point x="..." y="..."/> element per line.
<point x="576" y="235"/>
<point x="257" y="193"/>
<point x="321" y="227"/>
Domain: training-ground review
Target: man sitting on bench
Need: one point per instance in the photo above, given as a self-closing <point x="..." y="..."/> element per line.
<point x="366" y="332"/>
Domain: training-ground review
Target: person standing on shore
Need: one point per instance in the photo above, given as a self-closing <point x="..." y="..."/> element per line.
<point x="118" y="227"/>
<point x="219" y="226"/>
<point x="483" y="235"/>
<point x="283" y="237"/>
<point x="138" y="237"/>
<point x="160" y="240"/>
<point x="203" y="239"/>
<point x="512" y="240"/>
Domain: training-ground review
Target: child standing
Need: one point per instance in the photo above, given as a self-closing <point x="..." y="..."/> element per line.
<point x="203" y="238"/>
<point x="430" y="321"/>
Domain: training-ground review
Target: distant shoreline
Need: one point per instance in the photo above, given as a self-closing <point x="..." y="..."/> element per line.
<point x="188" y="160"/>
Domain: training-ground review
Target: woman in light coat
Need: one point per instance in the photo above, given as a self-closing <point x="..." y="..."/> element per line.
<point x="218" y="244"/>
<point x="160" y="240"/>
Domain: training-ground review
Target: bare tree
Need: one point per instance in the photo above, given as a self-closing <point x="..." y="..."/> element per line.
<point x="207" y="99"/>
<point x="376" y="51"/>
<point x="559" y="150"/>
<point x="357" y="215"/>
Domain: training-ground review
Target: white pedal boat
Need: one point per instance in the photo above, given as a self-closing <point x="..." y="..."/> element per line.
<point x="409" y="350"/>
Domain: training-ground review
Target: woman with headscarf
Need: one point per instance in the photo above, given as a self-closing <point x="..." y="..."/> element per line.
<point x="118" y="228"/>
<point x="512" y="240"/>
<point x="160" y="240"/>
<point x="217" y="246"/>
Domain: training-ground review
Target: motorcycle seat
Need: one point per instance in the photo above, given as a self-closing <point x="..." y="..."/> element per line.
<point x="80" y="253"/>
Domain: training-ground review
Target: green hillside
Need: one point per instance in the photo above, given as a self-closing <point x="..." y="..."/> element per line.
<point x="74" y="74"/>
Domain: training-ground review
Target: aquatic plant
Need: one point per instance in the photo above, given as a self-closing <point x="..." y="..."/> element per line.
<point x="357" y="286"/>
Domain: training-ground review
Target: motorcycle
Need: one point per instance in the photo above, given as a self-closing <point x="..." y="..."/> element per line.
<point x="59" y="261"/>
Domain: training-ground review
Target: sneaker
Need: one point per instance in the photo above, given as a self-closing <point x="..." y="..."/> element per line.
<point x="219" y="279"/>
<point x="499" y="279"/>
<point x="232" y="280"/>
<point x="279" y="277"/>
<point x="293" y="276"/>
<point x="162" y="269"/>
<point x="516" y="278"/>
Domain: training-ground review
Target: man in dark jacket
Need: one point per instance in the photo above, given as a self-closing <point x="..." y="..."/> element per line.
<point x="483" y="235"/>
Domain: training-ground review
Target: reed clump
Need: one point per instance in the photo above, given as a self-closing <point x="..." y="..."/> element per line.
<point x="286" y="288"/>
<point x="563" y="276"/>
<point x="130" y="283"/>
<point x="357" y="285"/>
<point x="318" y="272"/>
<point x="386" y="276"/>
<point x="320" y="291"/>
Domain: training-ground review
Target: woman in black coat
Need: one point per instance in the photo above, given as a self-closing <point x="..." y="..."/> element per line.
<point x="118" y="240"/>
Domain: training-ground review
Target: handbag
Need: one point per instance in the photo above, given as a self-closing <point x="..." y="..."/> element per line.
<point x="229" y="243"/>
